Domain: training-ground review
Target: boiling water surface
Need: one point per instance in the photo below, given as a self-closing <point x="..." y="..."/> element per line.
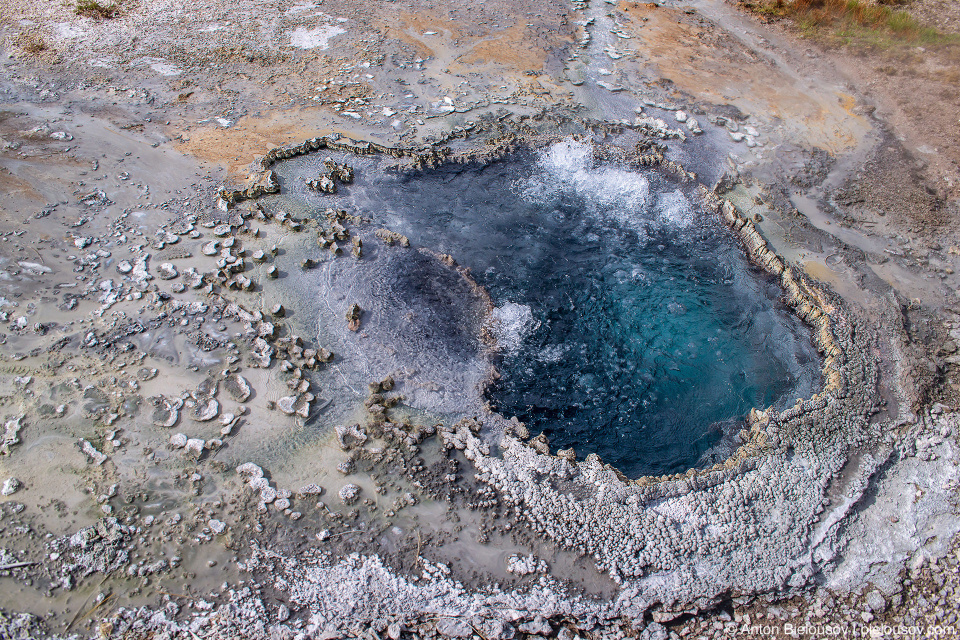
<point x="630" y="324"/>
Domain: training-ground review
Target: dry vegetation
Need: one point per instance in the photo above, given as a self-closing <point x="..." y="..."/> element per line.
<point x="31" y="43"/>
<point x="880" y="23"/>
<point x="97" y="10"/>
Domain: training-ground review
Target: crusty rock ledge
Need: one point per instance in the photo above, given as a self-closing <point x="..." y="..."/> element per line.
<point x="760" y="522"/>
<point x="263" y="181"/>
<point x="763" y="521"/>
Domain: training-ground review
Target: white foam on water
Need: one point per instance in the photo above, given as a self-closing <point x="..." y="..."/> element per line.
<point x="553" y="354"/>
<point x="622" y="197"/>
<point x="510" y="323"/>
<point x="314" y="38"/>
<point x="674" y="209"/>
<point x="569" y="165"/>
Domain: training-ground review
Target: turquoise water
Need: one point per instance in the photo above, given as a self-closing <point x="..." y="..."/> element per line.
<point x="629" y="323"/>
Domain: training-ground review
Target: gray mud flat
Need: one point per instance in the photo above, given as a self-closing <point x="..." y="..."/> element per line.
<point x="227" y="412"/>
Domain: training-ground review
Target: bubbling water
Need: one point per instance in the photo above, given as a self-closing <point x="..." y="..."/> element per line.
<point x="511" y="323"/>
<point x="629" y="324"/>
<point x="654" y="336"/>
<point x="569" y="165"/>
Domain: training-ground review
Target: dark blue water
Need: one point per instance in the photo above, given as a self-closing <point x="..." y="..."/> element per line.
<point x="630" y="324"/>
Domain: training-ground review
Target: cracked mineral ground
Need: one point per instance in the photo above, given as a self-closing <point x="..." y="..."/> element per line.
<point x="495" y="320"/>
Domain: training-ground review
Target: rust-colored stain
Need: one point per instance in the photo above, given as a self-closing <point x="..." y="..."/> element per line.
<point x="848" y="102"/>
<point x="516" y="48"/>
<point x="251" y="137"/>
<point x="13" y="187"/>
<point x="713" y="66"/>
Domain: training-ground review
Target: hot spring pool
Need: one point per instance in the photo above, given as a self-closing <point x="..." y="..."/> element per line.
<point x="629" y="323"/>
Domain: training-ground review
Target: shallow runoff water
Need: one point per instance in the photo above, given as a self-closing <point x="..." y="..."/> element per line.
<point x="629" y="322"/>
